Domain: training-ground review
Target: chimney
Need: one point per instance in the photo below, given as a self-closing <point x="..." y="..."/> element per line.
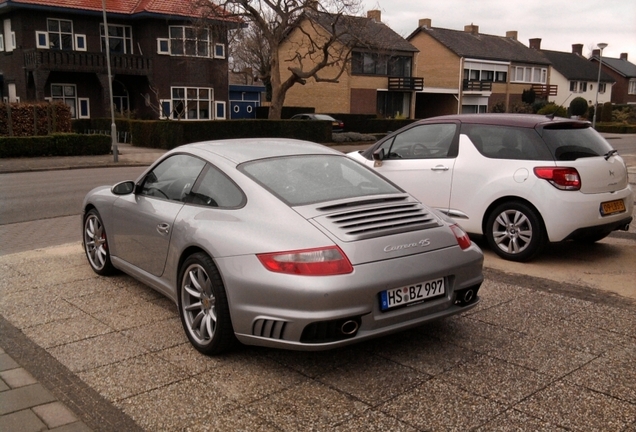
<point x="577" y="49"/>
<point x="472" y="29"/>
<point x="624" y="56"/>
<point x="596" y="53"/>
<point x="535" y="44"/>
<point x="425" y="22"/>
<point x="375" y="15"/>
<point x="512" y="34"/>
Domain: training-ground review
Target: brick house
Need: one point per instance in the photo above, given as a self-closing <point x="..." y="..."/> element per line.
<point x="623" y="72"/>
<point x="165" y="63"/>
<point x="468" y="72"/>
<point x="575" y="76"/>
<point x="378" y="78"/>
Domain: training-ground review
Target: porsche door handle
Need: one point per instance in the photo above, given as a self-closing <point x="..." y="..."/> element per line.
<point x="163" y="228"/>
<point x="440" y="168"/>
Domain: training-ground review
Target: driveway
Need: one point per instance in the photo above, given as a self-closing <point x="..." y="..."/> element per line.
<point x="534" y="355"/>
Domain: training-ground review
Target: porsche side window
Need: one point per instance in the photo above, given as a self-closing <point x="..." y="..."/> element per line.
<point x="215" y="189"/>
<point x="429" y="141"/>
<point x="173" y="178"/>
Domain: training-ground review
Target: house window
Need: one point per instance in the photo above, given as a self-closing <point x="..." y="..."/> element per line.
<point x="632" y="87"/>
<point x="192" y="103"/>
<point x="80" y="42"/>
<point x="582" y="86"/>
<point x="84" y="108"/>
<point x="60" y="34"/>
<point x="119" y="38"/>
<point x="190" y="41"/>
<point x="163" y="46"/>
<point x="377" y="64"/>
<point x="66" y="93"/>
<point x="220" y="110"/>
<point x="165" y="107"/>
<point x="501" y="76"/>
<point x="601" y="87"/>
<point x="219" y="50"/>
<point x="530" y="74"/>
<point x="1" y="42"/>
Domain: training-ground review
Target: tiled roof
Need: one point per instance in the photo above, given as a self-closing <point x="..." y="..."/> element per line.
<point x="574" y="67"/>
<point x="185" y="8"/>
<point x="364" y="32"/>
<point x="483" y="46"/>
<point x="623" y="67"/>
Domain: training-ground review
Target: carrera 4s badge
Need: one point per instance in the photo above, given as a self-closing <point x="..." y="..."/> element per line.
<point x="421" y="243"/>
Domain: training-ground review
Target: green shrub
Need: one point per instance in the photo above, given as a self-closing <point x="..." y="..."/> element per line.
<point x="499" y="107"/>
<point x="578" y="106"/>
<point x="537" y="105"/>
<point x="555" y="109"/>
<point x="64" y="144"/>
<point x="528" y="96"/>
<point x="606" y="115"/>
<point x="521" y="108"/>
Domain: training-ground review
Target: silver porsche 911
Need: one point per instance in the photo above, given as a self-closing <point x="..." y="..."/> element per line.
<point x="281" y="243"/>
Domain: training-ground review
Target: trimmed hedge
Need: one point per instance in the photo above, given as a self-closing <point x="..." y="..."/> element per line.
<point x="168" y="134"/>
<point x="65" y="144"/>
<point x="39" y="118"/>
<point x="621" y="128"/>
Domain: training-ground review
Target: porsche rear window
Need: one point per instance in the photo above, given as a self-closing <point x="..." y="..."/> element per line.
<point x="307" y="179"/>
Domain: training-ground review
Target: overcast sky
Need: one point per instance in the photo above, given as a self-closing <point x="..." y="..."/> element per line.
<point x="558" y="23"/>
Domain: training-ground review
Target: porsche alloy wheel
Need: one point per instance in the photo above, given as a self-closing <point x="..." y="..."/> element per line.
<point x="203" y="306"/>
<point x="96" y="244"/>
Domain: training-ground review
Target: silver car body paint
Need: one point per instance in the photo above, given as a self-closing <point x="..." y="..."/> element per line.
<point x="257" y="296"/>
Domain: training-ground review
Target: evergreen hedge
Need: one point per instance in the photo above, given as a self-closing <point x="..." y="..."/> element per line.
<point x="62" y="144"/>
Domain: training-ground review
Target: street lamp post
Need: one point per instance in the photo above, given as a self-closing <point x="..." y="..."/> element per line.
<point x="113" y="126"/>
<point x="601" y="47"/>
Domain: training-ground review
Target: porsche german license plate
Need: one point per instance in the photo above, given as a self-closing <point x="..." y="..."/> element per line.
<point x="611" y="207"/>
<point x="411" y="294"/>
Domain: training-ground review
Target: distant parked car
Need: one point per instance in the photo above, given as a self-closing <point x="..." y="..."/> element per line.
<point x="337" y="125"/>
<point x="520" y="180"/>
<point x="281" y="243"/>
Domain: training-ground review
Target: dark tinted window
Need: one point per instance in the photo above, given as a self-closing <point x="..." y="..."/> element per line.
<point x="306" y="179"/>
<point x="503" y="142"/>
<point x="569" y="143"/>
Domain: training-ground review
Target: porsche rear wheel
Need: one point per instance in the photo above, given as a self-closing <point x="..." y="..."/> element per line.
<point x="203" y="306"/>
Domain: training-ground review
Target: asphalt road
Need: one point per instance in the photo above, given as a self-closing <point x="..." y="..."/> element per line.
<point x="49" y="194"/>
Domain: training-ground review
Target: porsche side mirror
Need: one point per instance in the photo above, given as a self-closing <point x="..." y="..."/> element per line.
<point x="123" y="188"/>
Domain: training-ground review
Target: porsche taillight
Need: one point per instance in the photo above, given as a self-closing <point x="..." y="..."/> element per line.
<point x="560" y="177"/>
<point x="325" y="261"/>
<point x="462" y="238"/>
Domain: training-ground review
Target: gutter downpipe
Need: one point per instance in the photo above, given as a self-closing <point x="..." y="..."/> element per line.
<point x="461" y="89"/>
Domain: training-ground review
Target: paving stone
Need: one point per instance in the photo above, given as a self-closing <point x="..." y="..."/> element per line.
<point x="54" y="414"/>
<point x="21" y="421"/>
<point x="24" y="397"/>
<point x="17" y="378"/>
<point x="7" y="363"/>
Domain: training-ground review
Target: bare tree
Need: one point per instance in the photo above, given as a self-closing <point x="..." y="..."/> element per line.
<point x="320" y="50"/>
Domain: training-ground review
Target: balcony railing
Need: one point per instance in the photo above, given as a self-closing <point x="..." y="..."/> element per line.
<point x="75" y="61"/>
<point x="477" y="86"/>
<point x="406" y="83"/>
<point x="545" y="90"/>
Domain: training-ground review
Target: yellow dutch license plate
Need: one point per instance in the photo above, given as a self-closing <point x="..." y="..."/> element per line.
<point x="612" y="207"/>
